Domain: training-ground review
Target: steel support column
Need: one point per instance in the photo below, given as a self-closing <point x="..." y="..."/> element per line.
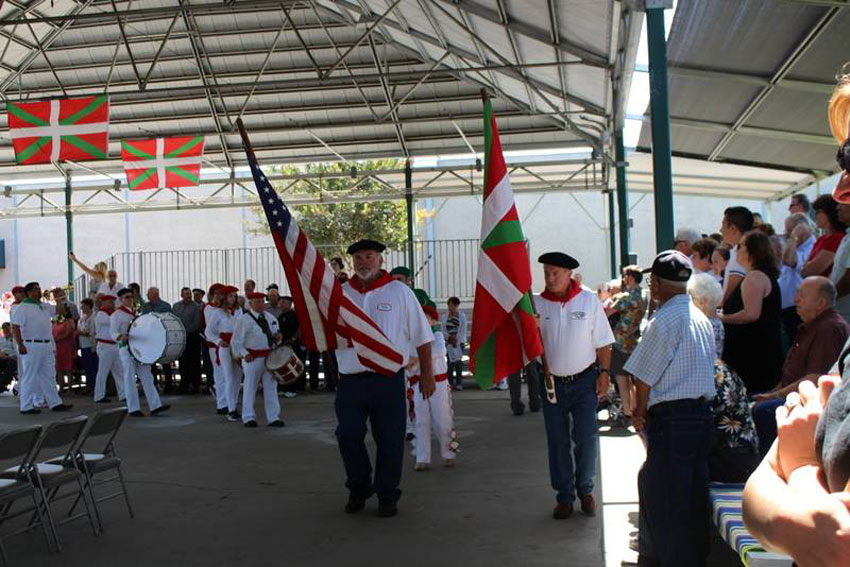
<point x="69" y="234"/>
<point x="622" y="197"/>
<point x="612" y="234"/>
<point x="660" y="110"/>
<point x="408" y="198"/>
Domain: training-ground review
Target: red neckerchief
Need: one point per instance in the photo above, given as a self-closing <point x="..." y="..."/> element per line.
<point x="127" y="311"/>
<point x="107" y="311"/>
<point x="572" y="291"/>
<point x="382" y="280"/>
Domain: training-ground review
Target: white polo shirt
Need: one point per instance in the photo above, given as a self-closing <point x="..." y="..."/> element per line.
<point x="395" y="310"/>
<point x="104" y="288"/>
<point x="102" y="330"/>
<point x="34" y="320"/>
<point x="733" y="267"/>
<point x="119" y="324"/>
<point x="572" y="331"/>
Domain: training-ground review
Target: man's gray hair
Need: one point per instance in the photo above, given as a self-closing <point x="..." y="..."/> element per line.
<point x="826" y="289"/>
<point x="688" y="235"/>
<point x="704" y="286"/>
<point x="800" y="218"/>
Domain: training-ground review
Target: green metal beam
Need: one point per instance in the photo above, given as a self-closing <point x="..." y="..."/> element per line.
<point x="69" y="234"/>
<point x="612" y="233"/>
<point x="622" y="197"/>
<point x="659" y="106"/>
<point x="408" y="198"/>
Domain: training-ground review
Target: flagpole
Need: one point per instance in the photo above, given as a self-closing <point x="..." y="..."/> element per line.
<point x="249" y="149"/>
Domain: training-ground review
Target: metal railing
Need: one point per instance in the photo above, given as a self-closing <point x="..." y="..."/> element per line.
<point x="442" y="267"/>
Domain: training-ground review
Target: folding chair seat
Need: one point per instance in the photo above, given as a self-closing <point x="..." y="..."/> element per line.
<point x="19" y="445"/>
<point x="49" y="478"/>
<point x="102" y="427"/>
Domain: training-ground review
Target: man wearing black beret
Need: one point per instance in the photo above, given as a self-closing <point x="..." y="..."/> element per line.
<point x="577" y="352"/>
<point x="364" y="394"/>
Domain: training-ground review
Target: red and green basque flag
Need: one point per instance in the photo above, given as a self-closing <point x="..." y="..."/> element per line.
<point x="61" y="129"/>
<point x="505" y="335"/>
<point x="163" y="162"/>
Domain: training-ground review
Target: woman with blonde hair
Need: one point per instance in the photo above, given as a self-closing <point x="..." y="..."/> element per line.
<point x="103" y="280"/>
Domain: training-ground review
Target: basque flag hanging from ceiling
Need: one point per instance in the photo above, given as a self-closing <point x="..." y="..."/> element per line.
<point x="59" y="130"/>
<point x="158" y="163"/>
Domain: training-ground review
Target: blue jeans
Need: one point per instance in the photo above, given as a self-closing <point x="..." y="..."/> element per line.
<point x="673" y="485"/>
<point x="576" y="403"/>
<point x="381" y="400"/>
<point x="90" y="361"/>
<point x="764" y="416"/>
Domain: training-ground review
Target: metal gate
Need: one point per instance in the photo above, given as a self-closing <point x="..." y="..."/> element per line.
<point x="444" y="268"/>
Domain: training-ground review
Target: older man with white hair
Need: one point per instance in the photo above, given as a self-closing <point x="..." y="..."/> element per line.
<point x="685" y="238"/>
<point x="155" y="304"/>
<point x="796" y="251"/>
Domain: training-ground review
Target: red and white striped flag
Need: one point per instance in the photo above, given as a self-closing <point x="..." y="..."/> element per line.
<point x="328" y="319"/>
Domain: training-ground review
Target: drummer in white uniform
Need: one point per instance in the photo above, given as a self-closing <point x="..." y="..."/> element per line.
<point x="255" y="334"/>
<point x="216" y="295"/>
<point x="32" y="329"/>
<point x="120" y="330"/>
<point x="219" y="331"/>
<point x="107" y="352"/>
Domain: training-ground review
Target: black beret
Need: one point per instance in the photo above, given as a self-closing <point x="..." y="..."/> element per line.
<point x="198" y="290"/>
<point x="124" y="291"/>
<point x="559" y="259"/>
<point x="272" y="286"/>
<point x="671" y="265"/>
<point x="366" y="245"/>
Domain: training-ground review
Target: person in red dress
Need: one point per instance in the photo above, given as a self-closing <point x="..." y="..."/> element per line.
<point x="66" y="345"/>
<point x="826" y="217"/>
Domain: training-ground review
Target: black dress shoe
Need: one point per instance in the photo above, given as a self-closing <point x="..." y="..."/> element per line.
<point x="387" y="508"/>
<point x="160" y="409"/>
<point x="62" y="407"/>
<point x="357" y="501"/>
<point x="251" y="423"/>
<point x="221" y="411"/>
<point x="562" y="511"/>
<point x="276" y="423"/>
<point x="518" y="411"/>
<point x="137" y="413"/>
<point x="33" y="411"/>
<point x="103" y="401"/>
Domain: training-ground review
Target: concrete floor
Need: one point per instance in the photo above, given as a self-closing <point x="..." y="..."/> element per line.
<point x="207" y="492"/>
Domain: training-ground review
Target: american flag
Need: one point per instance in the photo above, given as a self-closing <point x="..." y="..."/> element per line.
<point x="327" y="317"/>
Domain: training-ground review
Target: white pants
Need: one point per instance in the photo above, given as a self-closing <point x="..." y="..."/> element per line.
<point x="133" y="368"/>
<point x="219" y="379"/>
<point x="108" y="359"/>
<point x="436" y="413"/>
<point x="232" y="377"/>
<point x="254" y="372"/>
<point x="38" y="376"/>
<point x="410" y="427"/>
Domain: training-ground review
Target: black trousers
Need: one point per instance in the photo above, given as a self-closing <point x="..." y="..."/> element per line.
<point x="532" y="381"/>
<point x="208" y="365"/>
<point x="674" y="520"/>
<point x="190" y="364"/>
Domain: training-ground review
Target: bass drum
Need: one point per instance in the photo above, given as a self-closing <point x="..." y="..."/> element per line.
<point x="157" y="338"/>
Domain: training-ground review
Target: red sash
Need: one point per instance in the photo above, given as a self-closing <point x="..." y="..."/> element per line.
<point x="438" y="378"/>
<point x="259" y="352"/>
<point x="224" y="336"/>
<point x="106" y="341"/>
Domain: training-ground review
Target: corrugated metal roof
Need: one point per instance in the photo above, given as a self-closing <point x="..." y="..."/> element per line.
<point x="751" y="79"/>
<point x="308" y="75"/>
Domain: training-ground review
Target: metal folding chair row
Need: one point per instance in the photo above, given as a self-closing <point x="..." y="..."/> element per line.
<point x="33" y="478"/>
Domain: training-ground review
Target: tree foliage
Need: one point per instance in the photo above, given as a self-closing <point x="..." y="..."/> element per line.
<point x="331" y="226"/>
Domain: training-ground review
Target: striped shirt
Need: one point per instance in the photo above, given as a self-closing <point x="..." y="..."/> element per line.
<point x="675" y="357"/>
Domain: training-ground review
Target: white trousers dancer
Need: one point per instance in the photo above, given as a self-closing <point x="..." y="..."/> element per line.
<point x="133" y="368"/>
<point x="38" y="376"/>
<point x="108" y="359"/>
<point x="219" y="379"/>
<point x="254" y="372"/>
<point x="232" y="378"/>
<point x="434" y="413"/>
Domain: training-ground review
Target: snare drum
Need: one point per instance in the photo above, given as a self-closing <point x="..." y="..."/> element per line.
<point x="284" y="365"/>
<point x="157" y="338"/>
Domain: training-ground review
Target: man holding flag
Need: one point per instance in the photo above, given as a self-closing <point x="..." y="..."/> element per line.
<point x="577" y="339"/>
<point x="370" y="323"/>
<point x="363" y="393"/>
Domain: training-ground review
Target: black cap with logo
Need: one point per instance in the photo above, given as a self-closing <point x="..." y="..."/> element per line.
<point x="671" y="265"/>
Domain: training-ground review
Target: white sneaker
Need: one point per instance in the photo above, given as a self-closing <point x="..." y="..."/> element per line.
<point x="289" y="394"/>
<point x="503" y="385"/>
